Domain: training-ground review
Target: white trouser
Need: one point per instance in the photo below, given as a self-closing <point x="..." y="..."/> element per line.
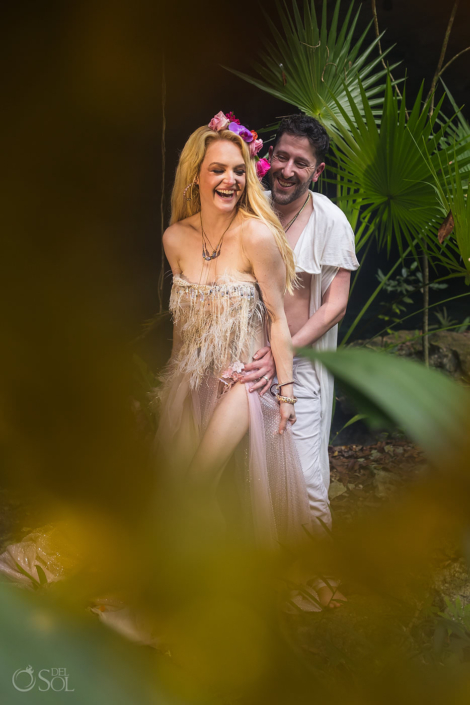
<point x="307" y="434"/>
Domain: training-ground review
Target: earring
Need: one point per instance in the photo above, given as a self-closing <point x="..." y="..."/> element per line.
<point x="189" y="186"/>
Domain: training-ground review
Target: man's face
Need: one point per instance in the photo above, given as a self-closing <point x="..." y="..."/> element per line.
<point x="293" y="167"/>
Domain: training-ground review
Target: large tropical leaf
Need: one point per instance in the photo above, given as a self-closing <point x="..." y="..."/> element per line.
<point x="307" y="65"/>
<point x="431" y="408"/>
<point x="40" y="634"/>
<point x="385" y="164"/>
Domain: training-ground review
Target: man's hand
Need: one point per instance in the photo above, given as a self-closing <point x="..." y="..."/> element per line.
<point x="262" y="366"/>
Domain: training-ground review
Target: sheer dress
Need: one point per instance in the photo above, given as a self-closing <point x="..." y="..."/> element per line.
<point x="218" y="328"/>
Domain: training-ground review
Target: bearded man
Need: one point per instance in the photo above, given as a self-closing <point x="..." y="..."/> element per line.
<point x="323" y="244"/>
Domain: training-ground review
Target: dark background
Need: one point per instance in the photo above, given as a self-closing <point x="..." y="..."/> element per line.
<point x="83" y="124"/>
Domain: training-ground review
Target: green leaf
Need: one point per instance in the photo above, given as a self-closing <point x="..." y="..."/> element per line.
<point x="386" y="166"/>
<point x="310" y="68"/>
<point x="452" y="196"/>
<point x="102" y="667"/>
<point x="432" y="409"/>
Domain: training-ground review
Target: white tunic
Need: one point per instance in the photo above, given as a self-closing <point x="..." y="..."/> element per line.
<point x="326" y="244"/>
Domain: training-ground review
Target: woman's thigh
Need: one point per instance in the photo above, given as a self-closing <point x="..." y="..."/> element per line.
<point x="227" y="426"/>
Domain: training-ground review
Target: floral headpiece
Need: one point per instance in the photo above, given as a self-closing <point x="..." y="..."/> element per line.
<point x="228" y="121"/>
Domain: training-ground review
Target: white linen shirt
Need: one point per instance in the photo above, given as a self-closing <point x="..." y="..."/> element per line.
<point x="325" y="245"/>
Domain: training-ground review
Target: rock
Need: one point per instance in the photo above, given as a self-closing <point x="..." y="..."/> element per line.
<point x="336" y="488"/>
<point x="454" y="582"/>
<point x="385" y="483"/>
<point x="448" y="350"/>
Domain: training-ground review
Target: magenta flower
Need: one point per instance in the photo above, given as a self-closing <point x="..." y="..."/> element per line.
<point x="244" y="133"/>
<point x="231" y="118"/>
<point x="262" y="167"/>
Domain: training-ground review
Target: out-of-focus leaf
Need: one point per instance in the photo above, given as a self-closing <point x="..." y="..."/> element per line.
<point x="432" y="409"/>
<point x="101" y="667"/>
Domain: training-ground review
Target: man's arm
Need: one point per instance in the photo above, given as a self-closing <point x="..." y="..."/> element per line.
<point x="332" y="310"/>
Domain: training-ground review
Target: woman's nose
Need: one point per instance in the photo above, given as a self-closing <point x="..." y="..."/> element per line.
<point x="229" y="179"/>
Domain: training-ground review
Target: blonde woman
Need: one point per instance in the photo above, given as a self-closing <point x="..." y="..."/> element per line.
<point x="231" y="266"/>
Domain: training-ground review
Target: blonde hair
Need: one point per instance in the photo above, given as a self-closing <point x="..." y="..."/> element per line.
<point x="252" y="204"/>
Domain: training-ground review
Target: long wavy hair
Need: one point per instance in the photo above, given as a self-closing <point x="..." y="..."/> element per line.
<point x="252" y="204"/>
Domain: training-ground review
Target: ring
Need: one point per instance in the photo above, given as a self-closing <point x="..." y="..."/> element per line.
<point x="266" y="378"/>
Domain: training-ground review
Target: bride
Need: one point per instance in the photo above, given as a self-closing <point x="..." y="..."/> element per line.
<point x="231" y="266"/>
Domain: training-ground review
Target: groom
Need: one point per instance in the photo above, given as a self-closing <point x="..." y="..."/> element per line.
<point x="323" y="244"/>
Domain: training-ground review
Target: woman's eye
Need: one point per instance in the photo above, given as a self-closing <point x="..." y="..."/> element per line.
<point x="240" y="173"/>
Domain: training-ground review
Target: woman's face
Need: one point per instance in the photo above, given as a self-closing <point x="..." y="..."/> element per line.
<point x="222" y="177"/>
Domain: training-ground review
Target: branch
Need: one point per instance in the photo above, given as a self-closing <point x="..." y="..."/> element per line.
<point x="162" y="199"/>
<point x="452" y="60"/>
<point x="442" y="56"/>
<point x="377" y="34"/>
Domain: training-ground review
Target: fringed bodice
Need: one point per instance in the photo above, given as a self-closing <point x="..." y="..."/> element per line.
<point x="217" y="324"/>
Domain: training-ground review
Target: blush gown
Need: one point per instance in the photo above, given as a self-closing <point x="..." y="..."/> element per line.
<point x="218" y="328"/>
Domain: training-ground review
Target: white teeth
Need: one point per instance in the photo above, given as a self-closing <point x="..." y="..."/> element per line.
<point x="229" y="193"/>
<point x="285" y="183"/>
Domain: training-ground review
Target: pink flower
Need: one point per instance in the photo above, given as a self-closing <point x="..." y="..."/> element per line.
<point x="219" y="122"/>
<point x="231" y="117"/>
<point x="262" y="167"/>
<point x="255" y="146"/>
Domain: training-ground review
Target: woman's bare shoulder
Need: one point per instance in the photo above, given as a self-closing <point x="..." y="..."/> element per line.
<point x="256" y="233"/>
<point x="173" y="234"/>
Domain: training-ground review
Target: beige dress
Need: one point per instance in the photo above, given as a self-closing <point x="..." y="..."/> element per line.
<point x="218" y="328"/>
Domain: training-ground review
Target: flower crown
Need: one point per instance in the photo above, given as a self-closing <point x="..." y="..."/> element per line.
<point x="228" y="121"/>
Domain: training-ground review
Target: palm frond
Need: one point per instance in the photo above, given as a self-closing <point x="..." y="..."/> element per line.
<point x="452" y="194"/>
<point x="459" y="132"/>
<point x="385" y="164"/>
<point x="306" y="65"/>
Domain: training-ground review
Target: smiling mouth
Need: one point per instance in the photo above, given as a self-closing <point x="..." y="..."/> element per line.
<point x="223" y="193"/>
<point x="285" y="184"/>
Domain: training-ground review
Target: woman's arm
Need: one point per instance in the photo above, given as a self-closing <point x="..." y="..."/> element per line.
<point x="270" y="272"/>
<point x="170" y="245"/>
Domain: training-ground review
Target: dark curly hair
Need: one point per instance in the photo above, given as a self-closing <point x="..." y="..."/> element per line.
<point x="305" y="126"/>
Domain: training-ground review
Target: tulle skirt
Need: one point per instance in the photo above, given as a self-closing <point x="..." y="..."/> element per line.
<point x="265" y="467"/>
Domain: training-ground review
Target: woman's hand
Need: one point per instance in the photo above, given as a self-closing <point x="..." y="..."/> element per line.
<point x="287" y="415"/>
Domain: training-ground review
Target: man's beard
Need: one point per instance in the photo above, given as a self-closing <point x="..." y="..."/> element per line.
<point x="292" y="195"/>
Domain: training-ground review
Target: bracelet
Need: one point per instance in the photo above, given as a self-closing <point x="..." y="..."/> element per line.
<point x="288" y="400"/>
<point x="284" y="384"/>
